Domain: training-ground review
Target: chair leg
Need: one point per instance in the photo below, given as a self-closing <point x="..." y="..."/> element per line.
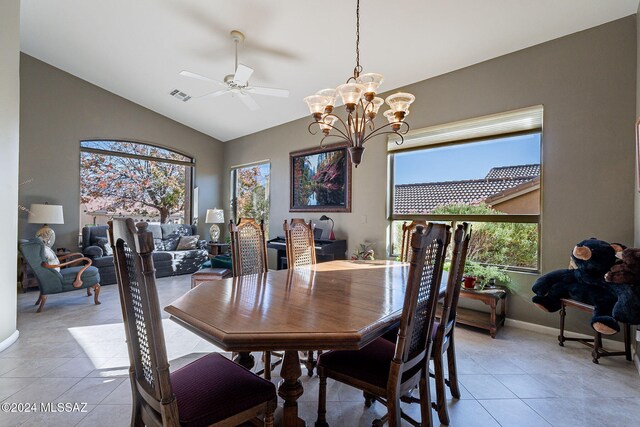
<point x="441" y="393"/>
<point x="266" y="356"/>
<point x="88" y="292"/>
<point x="321" y="421"/>
<point x="563" y="314"/>
<point x="96" y="292"/>
<point x="395" y="412"/>
<point x="42" y="299"/>
<point x="268" y="416"/>
<point x="39" y="299"/>
<point x="452" y="382"/>
<point x="369" y="399"/>
<point x="627" y="341"/>
<point x="425" y="404"/>
<point x="597" y="345"/>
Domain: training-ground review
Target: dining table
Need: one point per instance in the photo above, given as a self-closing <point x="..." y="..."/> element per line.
<point x="336" y="305"/>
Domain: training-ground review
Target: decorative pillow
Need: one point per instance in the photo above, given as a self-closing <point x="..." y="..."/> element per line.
<point x="103" y="243"/>
<point x="188" y="242"/>
<point x="51" y="258"/>
<point x="169" y="243"/>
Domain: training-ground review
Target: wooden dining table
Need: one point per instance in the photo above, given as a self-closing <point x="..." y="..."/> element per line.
<point x="337" y="305"/>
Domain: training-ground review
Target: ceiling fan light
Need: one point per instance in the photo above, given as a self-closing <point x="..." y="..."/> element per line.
<point x="331" y="95"/>
<point x="371" y="82"/>
<point x="400" y="101"/>
<point x="316" y="104"/>
<point x="350" y="94"/>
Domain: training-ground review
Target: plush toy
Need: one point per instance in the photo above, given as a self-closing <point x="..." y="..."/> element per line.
<point x="592" y="259"/>
<point x="624" y="279"/>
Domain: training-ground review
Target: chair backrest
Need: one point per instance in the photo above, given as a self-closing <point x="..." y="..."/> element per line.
<point x="133" y="245"/>
<point x="299" y="242"/>
<point x="49" y="279"/>
<point x="91" y="233"/>
<point x="407" y="229"/>
<point x="461" y="238"/>
<point x="414" y="343"/>
<point x="248" y="247"/>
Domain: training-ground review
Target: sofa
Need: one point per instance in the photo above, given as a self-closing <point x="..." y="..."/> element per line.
<point x="167" y="260"/>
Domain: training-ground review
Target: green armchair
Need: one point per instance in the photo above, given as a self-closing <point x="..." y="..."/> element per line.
<point x="67" y="279"/>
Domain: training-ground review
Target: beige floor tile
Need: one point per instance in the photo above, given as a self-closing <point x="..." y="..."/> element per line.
<point x="107" y="416"/>
<point x="58" y="419"/>
<point x="485" y="387"/>
<point x="43" y="390"/>
<point x="90" y="390"/>
<point x="513" y="413"/>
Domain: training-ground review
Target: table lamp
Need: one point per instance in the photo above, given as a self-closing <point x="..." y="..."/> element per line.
<point x="214" y="216"/>
<point x="326" y="218"/>
<point x="45" y="214"/>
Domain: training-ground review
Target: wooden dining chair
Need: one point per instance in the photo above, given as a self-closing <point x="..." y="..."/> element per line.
<point x="209" y="391"/>
<point x="298" y="236"/>
<point x="443" y="335"/>
<point x="387" y="370"/>
<point x="249" y="256"/>
<point x="301" y="251"/>
<point x="407" y="229"/>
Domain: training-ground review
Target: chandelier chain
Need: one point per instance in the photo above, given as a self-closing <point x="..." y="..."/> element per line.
<point x="358" y="69"/>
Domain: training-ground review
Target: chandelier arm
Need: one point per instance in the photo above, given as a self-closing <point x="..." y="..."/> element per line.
<point x="337" y="129"/>
<point x="398" y="132"/>
<point x="341" y="138"/>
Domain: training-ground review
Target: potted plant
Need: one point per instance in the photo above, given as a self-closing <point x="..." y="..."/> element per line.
<point x="364" y="252"/>
<point x="476" y="274"/>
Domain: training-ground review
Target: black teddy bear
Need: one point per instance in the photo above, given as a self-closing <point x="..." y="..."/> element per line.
<point x="592" y="259"/>
<point x="624" y="279"/>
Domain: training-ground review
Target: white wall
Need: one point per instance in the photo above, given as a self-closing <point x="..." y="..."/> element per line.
<point x="9" y="130"/>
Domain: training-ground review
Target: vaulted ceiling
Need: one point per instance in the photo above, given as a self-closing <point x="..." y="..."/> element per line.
<point x="137" y="48"/>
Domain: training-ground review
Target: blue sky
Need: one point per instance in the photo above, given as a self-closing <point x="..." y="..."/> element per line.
<point x="473" y="160"/>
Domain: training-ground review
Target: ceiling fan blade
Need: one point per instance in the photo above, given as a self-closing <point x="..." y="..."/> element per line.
<point x="242" y="74"/>
<point x="212" y="94"/>
<point x="269" y="91"/>
<point x="197" y="76"/>
<point x="249" y="101"/>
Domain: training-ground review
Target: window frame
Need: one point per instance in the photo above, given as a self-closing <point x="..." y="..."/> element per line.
<point x="190" y="176"/>
<point x="233" y="199"/>
<point x="454" y="218"/>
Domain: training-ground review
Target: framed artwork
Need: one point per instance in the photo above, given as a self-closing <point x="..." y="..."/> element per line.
<point x="638" y="154"/>
<point x="320" y="179"/>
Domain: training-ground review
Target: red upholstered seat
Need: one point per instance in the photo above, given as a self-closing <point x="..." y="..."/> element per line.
<point x="213" y="388"/>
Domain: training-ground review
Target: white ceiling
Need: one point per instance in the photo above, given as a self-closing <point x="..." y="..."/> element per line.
<point x="136" y="48"/>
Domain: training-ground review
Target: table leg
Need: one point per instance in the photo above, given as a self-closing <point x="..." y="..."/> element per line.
<point x="290" y="389"/>
<point x="246" y="359"/>
<point x="493" y="326"/>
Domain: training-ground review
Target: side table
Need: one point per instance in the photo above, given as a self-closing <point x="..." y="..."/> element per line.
<point x="216" y="248"/>
<point x="489" y="321"/>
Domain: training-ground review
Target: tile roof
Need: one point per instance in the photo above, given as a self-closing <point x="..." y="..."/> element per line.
<point x="423" y="198"/>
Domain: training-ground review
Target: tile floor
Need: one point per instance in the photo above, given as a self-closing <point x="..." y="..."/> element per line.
<point x="75" y="352"/>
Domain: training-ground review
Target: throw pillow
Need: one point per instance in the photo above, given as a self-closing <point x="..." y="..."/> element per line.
<point x="103" y="243"/>
<point x="51" y="258"/>
<point x="188" y="242"/>
<point x="169" y="243"/>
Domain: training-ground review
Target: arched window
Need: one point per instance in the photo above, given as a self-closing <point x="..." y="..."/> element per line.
<point x="123" y="178"/>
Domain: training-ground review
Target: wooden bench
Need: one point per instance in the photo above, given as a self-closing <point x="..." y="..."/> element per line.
<point x="596" y="342"/>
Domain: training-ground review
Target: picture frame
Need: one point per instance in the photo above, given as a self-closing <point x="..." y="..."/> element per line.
<point x="638" y="155"/>
<point x="320" y="179"/>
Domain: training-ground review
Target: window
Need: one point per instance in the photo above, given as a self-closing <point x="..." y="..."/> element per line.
<point x="250" y="192"/>
<point x="491" y="178"/>
<point x="121" y="178"/>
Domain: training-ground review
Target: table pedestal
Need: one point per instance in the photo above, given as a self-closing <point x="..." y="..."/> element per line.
<point x="246" y="359"/>
<point x="290" y="389"/>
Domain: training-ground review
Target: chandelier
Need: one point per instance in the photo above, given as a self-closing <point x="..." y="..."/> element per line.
<point x="359" y="97"/>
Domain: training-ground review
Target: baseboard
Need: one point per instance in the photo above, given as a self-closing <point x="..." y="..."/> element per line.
<point x="547" y="330"/>
<point x="7" y="343"/>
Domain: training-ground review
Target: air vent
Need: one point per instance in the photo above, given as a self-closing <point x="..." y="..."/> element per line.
<point x="177" y="93"/>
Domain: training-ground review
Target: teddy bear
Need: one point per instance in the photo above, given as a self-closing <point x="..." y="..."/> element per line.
<point x="592" y="259"/>
<point x="624" y="280"/>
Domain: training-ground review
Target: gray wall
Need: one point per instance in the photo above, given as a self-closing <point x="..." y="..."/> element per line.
<point x="586" y="82"/>
<point x="9" y="131"/>
<point x="58" y="110"/>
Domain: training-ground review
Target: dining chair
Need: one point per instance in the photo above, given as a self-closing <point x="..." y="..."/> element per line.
<point x="407" y="229"/>
<point x="212" y="390"/>
<point x="249" y="256"/>
<point x="443" y="341"/>
<point x="301" y="251"/>
<point x="386" y="370"/>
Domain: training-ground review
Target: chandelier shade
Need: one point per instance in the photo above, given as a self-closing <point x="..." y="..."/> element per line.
<point x="358" y="94"/>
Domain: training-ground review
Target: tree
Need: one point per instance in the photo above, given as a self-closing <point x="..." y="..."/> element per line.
<point x="130" y="185"/>
<point x="499" y="243"/>
<point x="251" y="194"/>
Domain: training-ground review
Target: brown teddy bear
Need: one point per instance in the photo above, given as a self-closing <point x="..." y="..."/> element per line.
<point x="624" y="279"/>
<point x="628" y="270"/>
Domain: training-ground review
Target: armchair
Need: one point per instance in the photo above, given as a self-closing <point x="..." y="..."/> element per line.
<point x="55" y="280"/>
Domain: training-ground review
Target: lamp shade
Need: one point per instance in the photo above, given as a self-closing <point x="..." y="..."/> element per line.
<point x="214" y="216"/>
<point x="45" y="214"/>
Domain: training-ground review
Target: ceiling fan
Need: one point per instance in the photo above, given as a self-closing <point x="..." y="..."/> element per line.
<point x="238" y="84"/>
